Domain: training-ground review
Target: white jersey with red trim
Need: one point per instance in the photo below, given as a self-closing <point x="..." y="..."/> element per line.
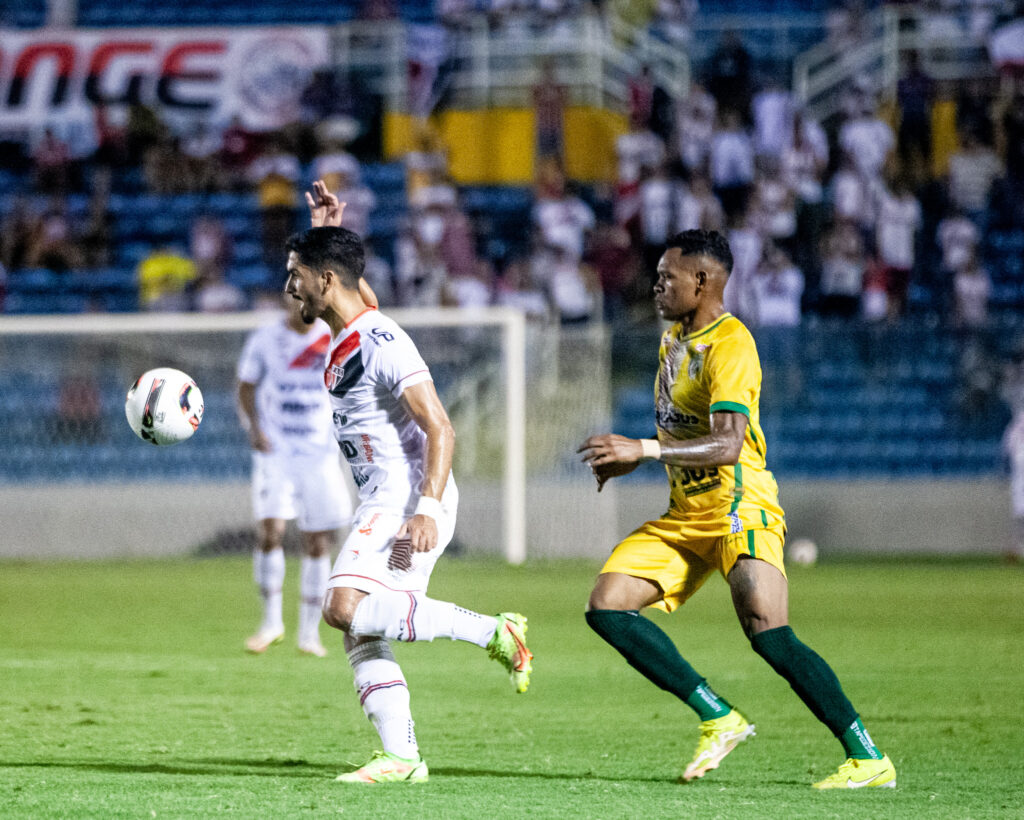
<point x="294" y="409"/>
<point x="369" y="364"/>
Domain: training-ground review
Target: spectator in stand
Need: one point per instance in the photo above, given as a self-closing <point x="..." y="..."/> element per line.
<point x="729" y="75"/>
<point x="470" y="289"/>
<point x="803" y="169"/>
<point x="420" y="272"/>
<point x="958" y="240"/>
<point x="560" y="217"/>
<point x="699" y="208"/>
<point x="695" y="126"/>
<point x="773" y="110"/>
<point x="731" y="163"/>
<point x="96" y="235"/>
<point x="972" y="289"/>
<point x="674" y="20"/>
<point x="867" y="140"/>
<point x="549" y="101"/>
<point x="572" y="287"/>
<point x="747" y="244"/>
<point x="516" y="289"/>
<point x="20" y="236"/>
<point x="1012" y="132"/>
<point x="57" y="249"/>
<point x="165" y="168"/>
<point x="144" y="131"/>
<point x="914" y="93"/>
<point x="426" y="163"/>
<point x="621" y="272"/>
<point x="899" y="221"/>
<point x="238" y="148"/>
<point x="637" y="151"/>
<point x="199" y="150"/>
<point x="641" y="98"/>
<point x="972" y="171"/>
<point x="51" y="161"/>
<point x="846" y="25"/>
<point x="111" y="143"/>
<point x="659" y="202"/>
<point x="458" y="243"/>
<point x="214" y="294"/>
<point x="844" y="263"/>
<point x="778" y="287"/>
<point x="974" y="108"/>
<point x="852" y="200"/>
<point x="276" y="177"/>
<point x="164" y="277"/>
<point x="774" y="205"/>
<point x="209" y="246"/>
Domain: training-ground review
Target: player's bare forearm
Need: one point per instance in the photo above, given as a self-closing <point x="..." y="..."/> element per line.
<point x="429" y="414"/>
<point x="249" y="417"/>
<point x="720" y="447"/>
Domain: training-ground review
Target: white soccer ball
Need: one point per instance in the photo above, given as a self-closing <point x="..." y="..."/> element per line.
<point x="164" y="406"/>
<point x="802" y="551"/>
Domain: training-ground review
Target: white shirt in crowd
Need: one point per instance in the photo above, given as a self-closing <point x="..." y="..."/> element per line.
<point x="658" y="203"/>
<point x="732" y="159"/>
<point x="899" y="220"/>
<point x="778" y="294"/>
<point x="972" y="288"/>
<point x="287" y="369"/>
<point x="695" y="125"/>
<point x="868" y="142"/>
<point x="636" y="151"/>
<point x="958" y="237"/>
<point x="773" y="121"/>
<point x="564" y="222"/>
<point x="851" y="200"/>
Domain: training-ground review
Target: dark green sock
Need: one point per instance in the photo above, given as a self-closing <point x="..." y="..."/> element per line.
<point x="817" y="685"/>
<point x="651" y="652"/>
<point x="858" y="742"/>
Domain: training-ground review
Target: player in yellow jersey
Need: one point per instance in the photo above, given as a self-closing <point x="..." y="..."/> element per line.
<point x="724" y="515"/>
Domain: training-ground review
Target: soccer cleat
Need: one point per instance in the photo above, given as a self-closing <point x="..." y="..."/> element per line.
<point x="508" y="646"/>
<point x="314" y="648"/>
<point x="858" y="774"/>
<point x="718" y="737"/>
<point x="385" y="767"/>
<point x="262" y="641"/>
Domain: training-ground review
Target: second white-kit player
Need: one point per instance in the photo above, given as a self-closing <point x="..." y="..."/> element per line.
<point x="399" y="441"/>
<point x="296" y="467"/>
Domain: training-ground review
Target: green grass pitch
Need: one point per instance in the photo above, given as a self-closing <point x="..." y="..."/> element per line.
<point x="124" y="692"/>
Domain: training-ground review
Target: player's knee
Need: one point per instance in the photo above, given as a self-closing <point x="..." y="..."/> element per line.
<point x="340" y="607"/>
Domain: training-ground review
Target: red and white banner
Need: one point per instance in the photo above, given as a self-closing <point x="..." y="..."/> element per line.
<point x="59" y="76"/>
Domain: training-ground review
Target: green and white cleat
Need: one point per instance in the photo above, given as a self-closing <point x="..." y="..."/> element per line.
<point x="385" y="767"/>
<point x="508" y="646"/>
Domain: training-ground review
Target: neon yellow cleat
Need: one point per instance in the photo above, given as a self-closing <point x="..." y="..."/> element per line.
<point x="718" y="737"/>
<point x="508" y="646"/>
<point x="858" y="774"/>
<point x="385" y="767"/>
<point x="262" y="641"/>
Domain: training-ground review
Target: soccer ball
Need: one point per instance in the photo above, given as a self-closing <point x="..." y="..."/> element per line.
<point x="802" y="551"/>
<point x="164" y="406"/>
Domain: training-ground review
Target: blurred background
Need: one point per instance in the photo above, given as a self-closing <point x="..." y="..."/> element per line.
<point x="865" y="159"/>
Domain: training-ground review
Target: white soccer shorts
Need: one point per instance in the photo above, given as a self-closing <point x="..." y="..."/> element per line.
<point x="312" y="489"/>
<point x="369" y="562"/>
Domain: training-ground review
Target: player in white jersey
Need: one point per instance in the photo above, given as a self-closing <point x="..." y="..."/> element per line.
<point x="395" y="432"/>
<point x="296" y="467"/>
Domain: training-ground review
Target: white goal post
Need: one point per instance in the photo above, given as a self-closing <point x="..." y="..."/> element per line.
<point x="95" y="340"/>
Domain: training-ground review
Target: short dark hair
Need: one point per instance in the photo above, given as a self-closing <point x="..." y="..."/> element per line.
<point x="338" y="249"/>
<point x="704" y="243"/>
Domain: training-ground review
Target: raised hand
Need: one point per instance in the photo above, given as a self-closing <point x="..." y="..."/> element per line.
<point x="324" y="208"/>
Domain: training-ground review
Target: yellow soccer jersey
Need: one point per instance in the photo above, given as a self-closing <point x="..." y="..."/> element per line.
<point x="715" y="368"/>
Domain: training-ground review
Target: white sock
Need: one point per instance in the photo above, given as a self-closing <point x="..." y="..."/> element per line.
<point x="313" y="585"/>
<point x="384" y="696"/>
<point x="412" y="616"/>
<point x="268" y="573"/>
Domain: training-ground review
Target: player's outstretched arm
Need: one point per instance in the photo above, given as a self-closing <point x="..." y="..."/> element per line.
<point x="611" y="455"/>
<point x="720" y="447"/>
<point x="423" y="404"/>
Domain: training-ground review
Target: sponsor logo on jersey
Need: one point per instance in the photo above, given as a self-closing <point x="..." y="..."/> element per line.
<point x="367" y="528"/>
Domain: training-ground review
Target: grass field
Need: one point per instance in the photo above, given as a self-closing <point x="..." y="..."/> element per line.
<point x="124" y="692"/>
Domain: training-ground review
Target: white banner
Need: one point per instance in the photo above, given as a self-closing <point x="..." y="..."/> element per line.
<point x="59" y="76"/>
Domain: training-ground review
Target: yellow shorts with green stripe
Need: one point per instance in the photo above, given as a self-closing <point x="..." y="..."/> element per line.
<point x="678" y="557"/>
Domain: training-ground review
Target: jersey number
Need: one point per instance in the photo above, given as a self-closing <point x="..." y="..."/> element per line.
<point x="696" y="474"/>
<point x="348" y="448"/>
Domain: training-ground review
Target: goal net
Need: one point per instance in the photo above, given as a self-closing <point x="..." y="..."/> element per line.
<point x="76" y="482"/>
